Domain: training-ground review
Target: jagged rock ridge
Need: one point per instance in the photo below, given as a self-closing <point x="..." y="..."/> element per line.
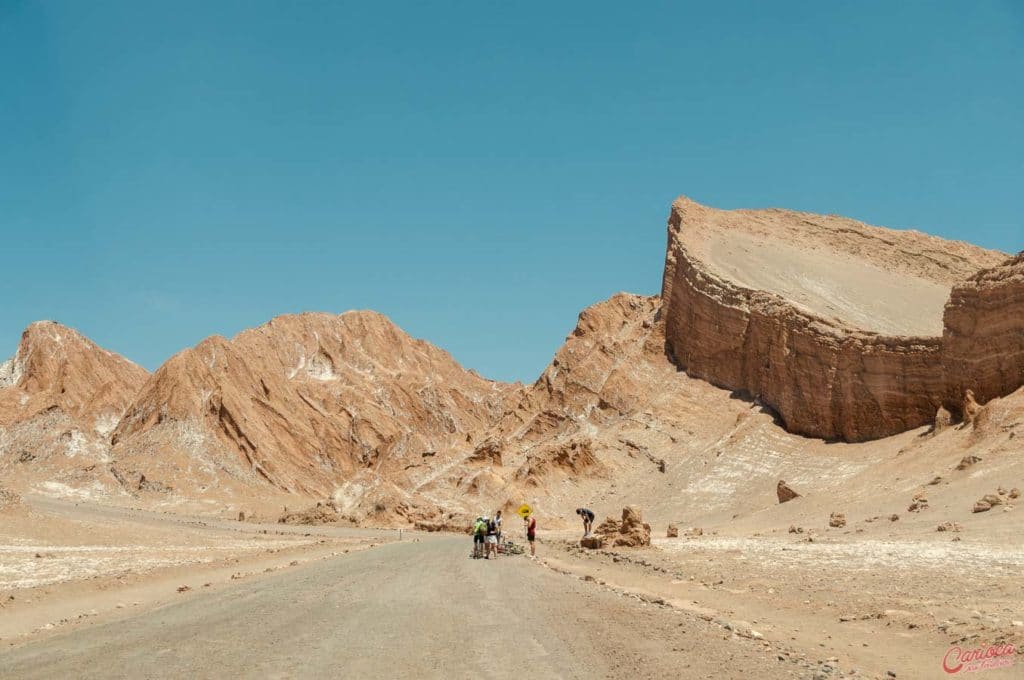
<point x="306" y="402"/>
<point x="56" y="367"/>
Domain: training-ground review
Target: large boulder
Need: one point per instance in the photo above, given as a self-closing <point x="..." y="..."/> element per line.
<point x="943" y="419"/>
<point x="784" y="492"/>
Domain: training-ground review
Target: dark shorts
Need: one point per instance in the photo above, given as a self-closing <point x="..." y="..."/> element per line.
<point x="531" y="537"/>
<point x="478" y="538"/>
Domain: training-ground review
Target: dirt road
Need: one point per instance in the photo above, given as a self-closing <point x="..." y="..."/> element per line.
<point x="404" y="610"/>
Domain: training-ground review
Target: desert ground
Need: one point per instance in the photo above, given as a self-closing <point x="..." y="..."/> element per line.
<point x="94" y="591"/>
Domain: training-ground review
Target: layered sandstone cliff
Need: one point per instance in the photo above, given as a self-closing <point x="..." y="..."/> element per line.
<point x="983" y="337"/>
<point x="836" y="325"/>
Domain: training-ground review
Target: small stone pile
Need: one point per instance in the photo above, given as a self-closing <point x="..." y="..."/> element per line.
<point x="967" y="461"/>
<point x="991" y="500"/>
<point x="919" y="502"/>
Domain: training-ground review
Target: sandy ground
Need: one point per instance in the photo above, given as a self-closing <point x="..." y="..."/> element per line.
<point x="131" y="593"/>
<point x="63" y="564"/>
<point x="404" y="610"/>
<point x="844" y="605"/>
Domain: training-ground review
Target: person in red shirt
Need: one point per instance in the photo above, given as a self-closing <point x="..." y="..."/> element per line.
<point x="531" y="534"/>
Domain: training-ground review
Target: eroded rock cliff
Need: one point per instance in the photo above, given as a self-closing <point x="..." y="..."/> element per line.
<point x="834" y="324"/>
<point x="983" y="337"/>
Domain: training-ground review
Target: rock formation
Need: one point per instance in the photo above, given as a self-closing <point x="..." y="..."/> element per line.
<point x="630" y="532"/>
<point x="969" y="408"/>
<point x="836" y="325"/>
<point x="943" y="419"/>
<point x="599" y="372"/>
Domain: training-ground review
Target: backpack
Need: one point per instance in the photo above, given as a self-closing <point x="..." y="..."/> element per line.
<point x="492" y="527"/>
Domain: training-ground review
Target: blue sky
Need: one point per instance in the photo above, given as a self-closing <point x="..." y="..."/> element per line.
<point x="478" y="171"/>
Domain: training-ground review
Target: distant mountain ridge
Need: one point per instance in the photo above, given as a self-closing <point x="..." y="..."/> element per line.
<point x="789" y="310"/>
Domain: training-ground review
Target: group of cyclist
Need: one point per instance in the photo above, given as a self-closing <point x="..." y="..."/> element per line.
<point x="487" y="532"/>
<point x="487" y="535"/>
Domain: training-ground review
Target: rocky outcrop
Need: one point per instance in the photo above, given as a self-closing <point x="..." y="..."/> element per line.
<point x="835" y="325"/>
<point x="943" y="419"/>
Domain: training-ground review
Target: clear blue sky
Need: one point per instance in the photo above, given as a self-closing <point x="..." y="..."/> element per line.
<point x="478" y="171"/>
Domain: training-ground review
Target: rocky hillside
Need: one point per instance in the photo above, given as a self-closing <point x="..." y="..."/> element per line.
<point x="304" y="403"/>
<point x="61" y="395"/>
<point x="56" y="368"/>
<point x="836" y="325"/>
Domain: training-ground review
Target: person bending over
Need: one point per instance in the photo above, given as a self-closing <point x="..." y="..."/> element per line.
<point x="588" y="520"/>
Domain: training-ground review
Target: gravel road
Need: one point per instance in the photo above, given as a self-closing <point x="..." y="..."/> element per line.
<point x="414" y="609"/>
